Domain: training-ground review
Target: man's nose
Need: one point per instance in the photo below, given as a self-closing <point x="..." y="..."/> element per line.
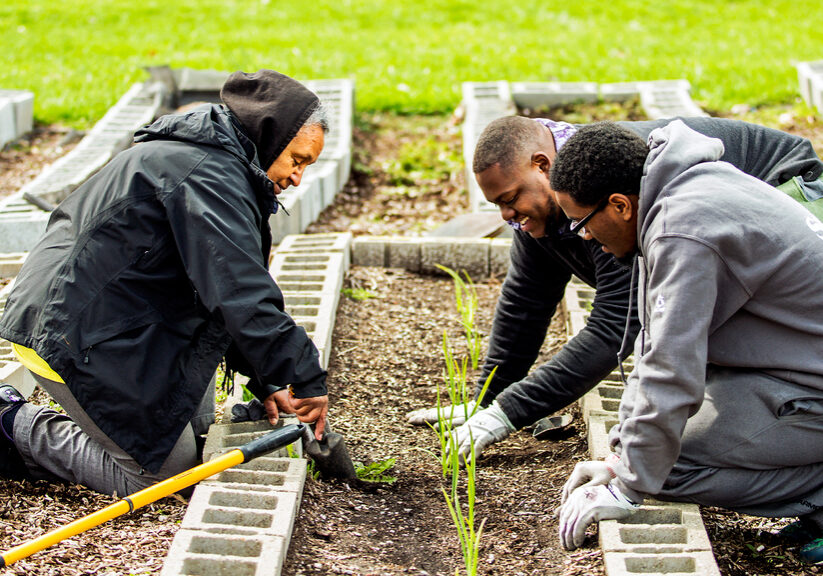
<point x="296" y="177"/>
<point x="507" y="213"/>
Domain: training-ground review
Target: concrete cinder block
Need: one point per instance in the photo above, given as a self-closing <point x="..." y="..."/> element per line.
<point x="404" y="253"/>
<point x="286" y="221"/>
<point x="206" y="554"/>
<point x="244" y="512"/>
<point x="534" y="95"/>
<point x="598" y="425"/>
<point x="16" y="114"/>
<point x="668" y="102"/>
<point x="264" y="474"/>
<point x="657" y="528"/>
<point x="626" y="564"/>
<point x="471" y="255"/>
<point x="20" y="230"/>
<point x="8" y="130"/>
<point x="499" y="258"/>
<point x="810" y="79"/>
<point x="369" y="250"/>
<point x="602" y="398"/>
<point x="324" y="276"/>
<point x="10" y="263"/>
<point x="310" y="197"/>
<point x="228" y="436"/>
<point x="622" y="91"/>
<point x="316" y="243"/>
<point x="577" y="313"/>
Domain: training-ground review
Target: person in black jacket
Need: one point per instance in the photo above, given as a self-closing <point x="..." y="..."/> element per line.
<point x="147" y="276"/>
<point x="511" y="163"/>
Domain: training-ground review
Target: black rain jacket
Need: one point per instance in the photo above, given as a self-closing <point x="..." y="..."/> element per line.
<point x="150" y="270"/>
<point x="540" y="268"/>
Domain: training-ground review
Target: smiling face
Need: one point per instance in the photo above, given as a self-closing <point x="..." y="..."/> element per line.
<point x="522" y="193"/>
<point x="303" y="150"/>
<point x="614" y="226"/>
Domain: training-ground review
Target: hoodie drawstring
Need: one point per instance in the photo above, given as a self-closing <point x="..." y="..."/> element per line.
<point x="627" y="329"/>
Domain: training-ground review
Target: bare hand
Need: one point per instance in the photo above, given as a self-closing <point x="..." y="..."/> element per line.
<point x="280" y="401"/>
<point x="312" y="410"/>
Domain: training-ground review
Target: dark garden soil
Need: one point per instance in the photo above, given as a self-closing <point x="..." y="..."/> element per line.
<point x="407" y="179"/>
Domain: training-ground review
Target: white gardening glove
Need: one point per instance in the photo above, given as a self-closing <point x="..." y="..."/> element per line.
<point x="486" y="427"/>
<point x="590" y="504"/>
<point x="457" y="412"/>
<point x="590" y="473"/>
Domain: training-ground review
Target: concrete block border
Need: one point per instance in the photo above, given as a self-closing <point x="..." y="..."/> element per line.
<point x="662" y="537"/>
<point x="810" y="78"/>
<point x="16" y="114"/>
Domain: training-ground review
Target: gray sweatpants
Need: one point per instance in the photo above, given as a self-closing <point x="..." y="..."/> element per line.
<point x="755" y="446"/>
<point x="73" y="448"/>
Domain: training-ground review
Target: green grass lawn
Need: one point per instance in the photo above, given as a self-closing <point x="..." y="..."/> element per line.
<point x="80" y="56"/>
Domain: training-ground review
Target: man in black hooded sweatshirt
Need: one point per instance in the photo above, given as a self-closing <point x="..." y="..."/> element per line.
<point x="147" y="276"/>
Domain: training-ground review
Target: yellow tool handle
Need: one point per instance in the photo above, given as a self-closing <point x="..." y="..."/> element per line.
<point x="270" y="441"/>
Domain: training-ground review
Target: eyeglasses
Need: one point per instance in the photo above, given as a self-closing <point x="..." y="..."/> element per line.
<point x="577" y="226"/>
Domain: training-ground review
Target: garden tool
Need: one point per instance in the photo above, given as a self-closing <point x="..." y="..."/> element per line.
<point x="330" y="456"/>
<point x="271" y="441"/>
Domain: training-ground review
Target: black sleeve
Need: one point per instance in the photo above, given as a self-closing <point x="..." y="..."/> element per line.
<point x="533" y="288"/>
<point x="587" y="358"/>
<point x="219" y="242"/>
<point x="770" y="155"/>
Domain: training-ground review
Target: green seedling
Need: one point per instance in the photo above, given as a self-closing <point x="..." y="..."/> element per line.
<point x="466" y="302"/>
<point x="376" y="471"/>
<point x="465" y="523"/>
<point x="358" y="294"/>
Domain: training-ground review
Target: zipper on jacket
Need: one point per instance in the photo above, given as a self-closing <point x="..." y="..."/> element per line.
<point x="88" y="351"/>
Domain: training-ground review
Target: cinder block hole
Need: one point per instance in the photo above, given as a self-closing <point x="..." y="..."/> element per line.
<point x="609" y="424"/>
<point x="300" y="286"/>
<point x="655" y="516"/>
<point x="610" y="405"/>
<point x="225" y="547"/>
<point x="240" y="439"/>
<point x="237" y="518"/>
<point x="654" y="535"/>
<point x="238" y="500"/>
<point x="298" y="259"/>
<point x="312" y="243"/>
<point x="259" y="478"/>
<point x="215" y="567"/>
<point x="266" y="465"/>
<point x="298" y="267"/>
<point x="302" y="300"/>
<point x="302" y="310"/>
<point x="660" y="564"/>
<point x="615" y="392"/>
<point x="297" y="278"/>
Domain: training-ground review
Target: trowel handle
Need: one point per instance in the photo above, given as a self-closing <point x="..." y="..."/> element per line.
<point x="272" y="441"/>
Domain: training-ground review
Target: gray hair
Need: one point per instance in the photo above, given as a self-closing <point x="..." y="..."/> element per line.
<point x="320" y="117"/>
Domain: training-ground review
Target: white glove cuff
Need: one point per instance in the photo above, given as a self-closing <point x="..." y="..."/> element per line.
<point x="498" y="413"/>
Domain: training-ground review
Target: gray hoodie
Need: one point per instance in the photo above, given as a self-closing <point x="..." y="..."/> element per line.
<point x="728" y="277"/>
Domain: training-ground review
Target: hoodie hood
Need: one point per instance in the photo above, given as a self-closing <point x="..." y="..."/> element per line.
<point x="271" y="108"/>
<point x="673" y="149"/>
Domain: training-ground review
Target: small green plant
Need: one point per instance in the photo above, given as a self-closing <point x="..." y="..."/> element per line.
<point x="358" y="294"/>
<point x="376" y="471"/>
<point x="312" y="470"/>
<point x="248" y="396"/>
<point x="464" y="522"/>
<point x="466" y="301"/>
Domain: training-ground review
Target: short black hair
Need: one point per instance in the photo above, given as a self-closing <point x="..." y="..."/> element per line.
<point x="601" y="159"/>
<point x="504" y="141"/>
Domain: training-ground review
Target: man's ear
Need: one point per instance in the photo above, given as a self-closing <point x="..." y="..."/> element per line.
<point x="623" y="205"/>
<point x="541" y="159"/>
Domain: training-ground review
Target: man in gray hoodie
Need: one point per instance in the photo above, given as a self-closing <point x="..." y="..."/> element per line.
<point x="725" y="404"/>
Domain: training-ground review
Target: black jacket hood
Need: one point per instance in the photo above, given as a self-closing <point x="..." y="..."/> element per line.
<point x="271" y="108"/>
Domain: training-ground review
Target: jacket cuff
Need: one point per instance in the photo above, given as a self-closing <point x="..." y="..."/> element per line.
<point x="311" y="389"/>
